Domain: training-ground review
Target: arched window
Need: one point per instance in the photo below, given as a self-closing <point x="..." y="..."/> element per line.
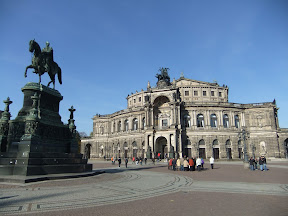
<point x="102" y="130"/>
<point x="119" y="126"/>
<point x="239" y="143"/>
<point x="213" y="120"/>
<point x="201" y="142"/>
<point x="228" y="142"/>
<point x="187" y="121"/>
<point x="200" y="120"/>
<point x="135" y="124"/>
<point x="237" y="122"/>
<point x="134" y="144"/>
<point x="126" y="124"/>
<point x="215" y="142"/>
<point x="226" y="121"/>
<point x="143" y="123"/>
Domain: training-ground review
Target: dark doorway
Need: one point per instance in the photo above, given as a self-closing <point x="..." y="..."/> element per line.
<point x="216" y="153"/>
<point x="161" y="147"/>
<point x="240" y="153"/>
<point x="229" y="154"/>
<point x="202" y="153"/>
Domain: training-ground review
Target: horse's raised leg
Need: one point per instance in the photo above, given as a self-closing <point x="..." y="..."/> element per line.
<point x="49" y="83"/>
<point x="30" y="66"/>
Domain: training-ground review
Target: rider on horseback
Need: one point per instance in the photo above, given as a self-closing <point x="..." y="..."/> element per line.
<point x="42" y="62"/>
<point x="47" y="53"/>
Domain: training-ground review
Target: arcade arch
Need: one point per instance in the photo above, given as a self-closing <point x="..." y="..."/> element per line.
<point x="161" y="147"/>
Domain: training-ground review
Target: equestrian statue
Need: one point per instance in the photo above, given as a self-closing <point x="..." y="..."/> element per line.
<point x="163" y="76"/>
<point x="42" y="62"/>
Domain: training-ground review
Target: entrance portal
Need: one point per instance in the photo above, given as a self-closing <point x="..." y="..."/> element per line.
<point x="161" y="148"/>
<point x="202" y="153"/>
<point x="216" y="153"/>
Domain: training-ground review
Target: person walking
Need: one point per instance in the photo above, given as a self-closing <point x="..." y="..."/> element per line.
<point x="194" y="160"/>
<point x="202" y="163"/>
<point x="145" y="160"/>
<point x="186" y="165"/>
<point x="170" y="164"/>
<point x="212" y="162"/>
<point x="119" y="162"/>
<point x="133" y="160"/>
<point x="264" y="163"/>
<point x="126" y="162"/>
<point x="182" y="164"/>
<point x="255" y="164"/>
<point x="174" y="164"/>
<point x="260" y="161"/>
<point x="251" y="162"/>
<point x="198" y="164"/>
<point x="191" y="164"/>
<point x="178" y="164"/>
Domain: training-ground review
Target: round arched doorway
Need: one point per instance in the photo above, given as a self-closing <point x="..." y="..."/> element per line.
<point x="161" y="148"/>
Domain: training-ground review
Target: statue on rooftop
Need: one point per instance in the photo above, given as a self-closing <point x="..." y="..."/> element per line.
<point x="163" y="78"/>
<point x="42" y="62"/>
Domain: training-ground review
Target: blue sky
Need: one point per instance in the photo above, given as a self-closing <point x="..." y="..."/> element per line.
<point x="110" y="48"/>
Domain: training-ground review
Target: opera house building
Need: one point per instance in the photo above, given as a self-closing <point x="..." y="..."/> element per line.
<point x="189" y="118"/>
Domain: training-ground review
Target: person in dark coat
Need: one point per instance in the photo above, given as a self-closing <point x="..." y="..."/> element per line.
<point x="251" y="162"/>
<point x="119" y="161"/>
<point x="126" y="162"/>
<point x="174" y="164"/>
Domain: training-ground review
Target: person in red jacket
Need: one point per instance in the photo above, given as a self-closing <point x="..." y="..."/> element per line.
<point x="191" y="164"/>
<point x="170" y="164"/>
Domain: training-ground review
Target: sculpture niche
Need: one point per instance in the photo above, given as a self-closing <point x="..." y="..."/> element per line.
<point x="42" y="62"/>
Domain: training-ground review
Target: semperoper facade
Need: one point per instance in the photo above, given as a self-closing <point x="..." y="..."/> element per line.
<point x="186" y="117"/>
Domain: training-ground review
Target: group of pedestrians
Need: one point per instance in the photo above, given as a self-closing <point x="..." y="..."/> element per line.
<point x="188" y="164"/>
<point x="134" y="161"/>
<point x="262" y="163"/>
<point x="139" y="160"/>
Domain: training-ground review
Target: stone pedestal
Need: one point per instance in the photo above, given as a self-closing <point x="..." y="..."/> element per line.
<point x="38" y="142"/>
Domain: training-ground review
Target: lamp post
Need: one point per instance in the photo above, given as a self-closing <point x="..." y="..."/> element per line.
<point x="244" y="135"/>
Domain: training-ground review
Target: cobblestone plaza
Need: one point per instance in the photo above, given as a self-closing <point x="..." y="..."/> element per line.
<point x="229" y="189"/>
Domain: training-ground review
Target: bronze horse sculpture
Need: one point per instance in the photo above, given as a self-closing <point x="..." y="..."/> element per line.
<point x="42" y="62"/>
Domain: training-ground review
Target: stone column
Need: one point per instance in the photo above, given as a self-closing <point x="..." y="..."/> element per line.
<point x="208" y="119"/>
<point x="194" y="118"/>
<point x="243" y="119"/>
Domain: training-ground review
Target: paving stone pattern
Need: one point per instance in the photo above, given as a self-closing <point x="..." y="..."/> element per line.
<point x="130" y="186"/>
